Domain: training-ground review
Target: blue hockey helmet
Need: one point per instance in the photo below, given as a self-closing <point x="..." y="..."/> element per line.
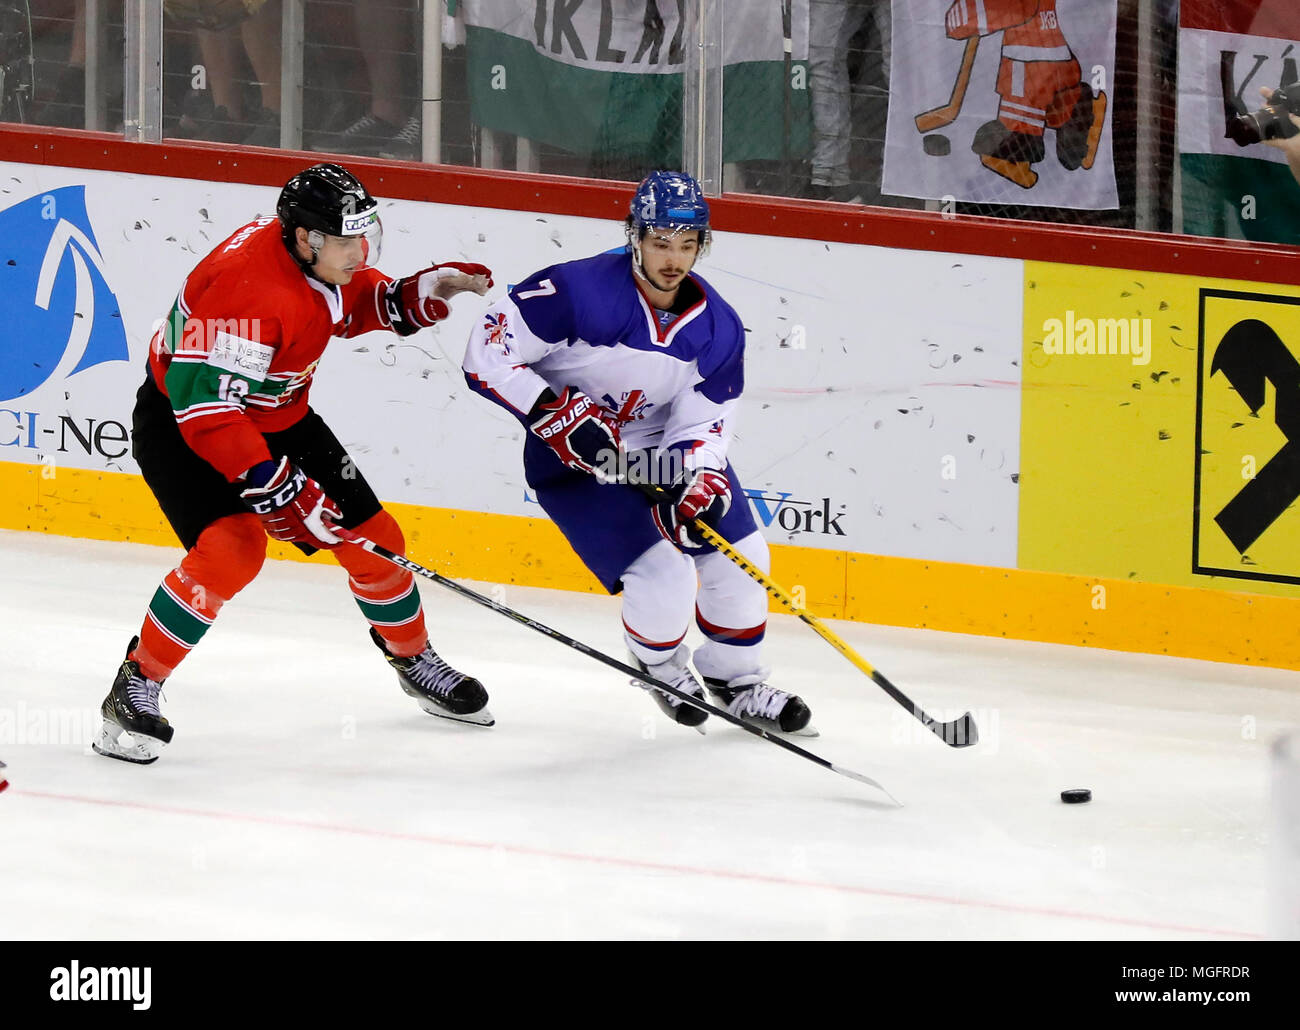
<point x="668" y="203"/>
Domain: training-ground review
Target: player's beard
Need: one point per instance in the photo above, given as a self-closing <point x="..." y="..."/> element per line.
<point x="638" y="266"/>
<point x="660" y="287"/>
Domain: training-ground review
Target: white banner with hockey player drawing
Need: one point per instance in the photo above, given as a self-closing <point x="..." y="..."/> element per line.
<point x="1002" y="102"/>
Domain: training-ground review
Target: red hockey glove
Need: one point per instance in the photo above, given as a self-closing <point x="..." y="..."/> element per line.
<point x="292" y="506"/>
<point x="420" y="300"/>
<point x="572" y="427"/>
<point x="704" y="494"/>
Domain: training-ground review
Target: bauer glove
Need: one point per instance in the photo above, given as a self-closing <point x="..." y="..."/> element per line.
<point x="572" y="426"/>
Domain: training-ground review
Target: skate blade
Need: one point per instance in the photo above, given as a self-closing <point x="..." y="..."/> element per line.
<point x="1018" y="172"/>
<point x="137" y="748"/>
<point x="808" y="731"/>
<point x="480" y="718"/>
<point x="1094" y="133"/>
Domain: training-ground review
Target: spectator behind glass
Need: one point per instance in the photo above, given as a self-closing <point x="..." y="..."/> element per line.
<point x="386" y="32"/>
<point x="65" y="105"/>
<point x="224" y="29"/>
<point x="831" y="26"/>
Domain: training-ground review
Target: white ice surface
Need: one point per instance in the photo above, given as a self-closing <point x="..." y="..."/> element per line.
<point x="305" y="796"/>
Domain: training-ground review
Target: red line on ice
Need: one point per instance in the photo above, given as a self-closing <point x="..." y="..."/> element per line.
<point x="629" y="863"/>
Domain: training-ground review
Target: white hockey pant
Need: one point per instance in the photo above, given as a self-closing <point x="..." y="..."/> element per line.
<point x="663" y="587"/>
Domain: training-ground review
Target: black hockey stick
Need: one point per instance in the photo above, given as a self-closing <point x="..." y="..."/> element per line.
<point x="960" y="732"/>
<point x="613" y="663"/>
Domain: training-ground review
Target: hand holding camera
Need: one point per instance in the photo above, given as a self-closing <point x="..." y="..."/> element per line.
<point x="1288" y="122"/>
<point x="1271" y="124"/>
<point x="1275" y="124"/>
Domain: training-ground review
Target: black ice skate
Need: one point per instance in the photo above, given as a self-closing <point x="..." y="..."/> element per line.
<point x="437" y="687"/>
<point x="134" y="729"/>
<point x="676" y="673"/>
<point x="749" y="698"/>
<point x="1077" y="139"/>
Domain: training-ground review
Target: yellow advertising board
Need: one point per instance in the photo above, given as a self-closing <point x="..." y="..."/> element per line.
<point x="1157" y="424"/>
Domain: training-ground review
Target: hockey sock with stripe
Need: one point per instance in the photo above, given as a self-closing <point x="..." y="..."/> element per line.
<point x="179" y="615"/>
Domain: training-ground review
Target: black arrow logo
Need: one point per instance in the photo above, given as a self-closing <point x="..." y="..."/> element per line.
<point x="1250" y="355"/>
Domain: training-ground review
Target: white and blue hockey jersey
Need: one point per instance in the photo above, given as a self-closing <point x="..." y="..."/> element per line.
<point x="587" y="324"/>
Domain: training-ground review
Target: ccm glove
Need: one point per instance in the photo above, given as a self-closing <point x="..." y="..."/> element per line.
<point x="704" y="494"/>
<point x="420" y="300"/>
<point x="291" y="505"/>
<point x="571" y="425"/>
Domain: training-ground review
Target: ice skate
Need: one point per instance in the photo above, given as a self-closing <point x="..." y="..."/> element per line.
<point x="749" y="698"/>
<point x="437" y="687"/>
<point x="1078" y="138"/>
<point x="676" y="672"/>
<point x="134" y="729"/>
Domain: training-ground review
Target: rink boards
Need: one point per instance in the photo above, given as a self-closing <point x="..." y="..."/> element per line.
<point x="930" y="438"/>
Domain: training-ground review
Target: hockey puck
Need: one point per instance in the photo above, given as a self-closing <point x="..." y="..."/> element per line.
<point x="1077" y="796"/>
<point x="937" y="144"/>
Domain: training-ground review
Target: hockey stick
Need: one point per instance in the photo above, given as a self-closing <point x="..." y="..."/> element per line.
<point x="419" y="570"/>
<point x="957" y="733"/>
<point x="928" y="121"/>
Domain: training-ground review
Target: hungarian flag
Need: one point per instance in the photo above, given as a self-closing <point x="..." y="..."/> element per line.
<point x="605" y="76"/>
<point x="1227" y="49"/>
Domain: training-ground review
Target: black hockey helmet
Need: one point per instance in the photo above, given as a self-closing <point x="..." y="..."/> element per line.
<point x="329" y="199"/>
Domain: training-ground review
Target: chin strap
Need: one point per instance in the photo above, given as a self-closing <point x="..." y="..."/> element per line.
<point x="634" y="244"/>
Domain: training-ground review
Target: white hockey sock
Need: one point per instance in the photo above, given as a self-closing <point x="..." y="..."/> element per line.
<point x="658" y="591"/>
<point x="731" y="608"/>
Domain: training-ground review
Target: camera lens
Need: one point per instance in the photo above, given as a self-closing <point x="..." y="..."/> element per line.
<point x="1244" y="129"/>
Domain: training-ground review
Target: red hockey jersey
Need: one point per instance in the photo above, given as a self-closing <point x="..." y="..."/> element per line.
<point x="1033" y="32"/>
<point x="238" y="351"/>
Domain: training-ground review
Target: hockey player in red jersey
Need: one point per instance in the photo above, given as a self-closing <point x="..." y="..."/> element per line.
<point x="233" y="452"/>
<point x="1040" y="87"/>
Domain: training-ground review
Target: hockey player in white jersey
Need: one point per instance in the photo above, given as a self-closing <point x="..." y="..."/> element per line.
<point x="626" y="364"/>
